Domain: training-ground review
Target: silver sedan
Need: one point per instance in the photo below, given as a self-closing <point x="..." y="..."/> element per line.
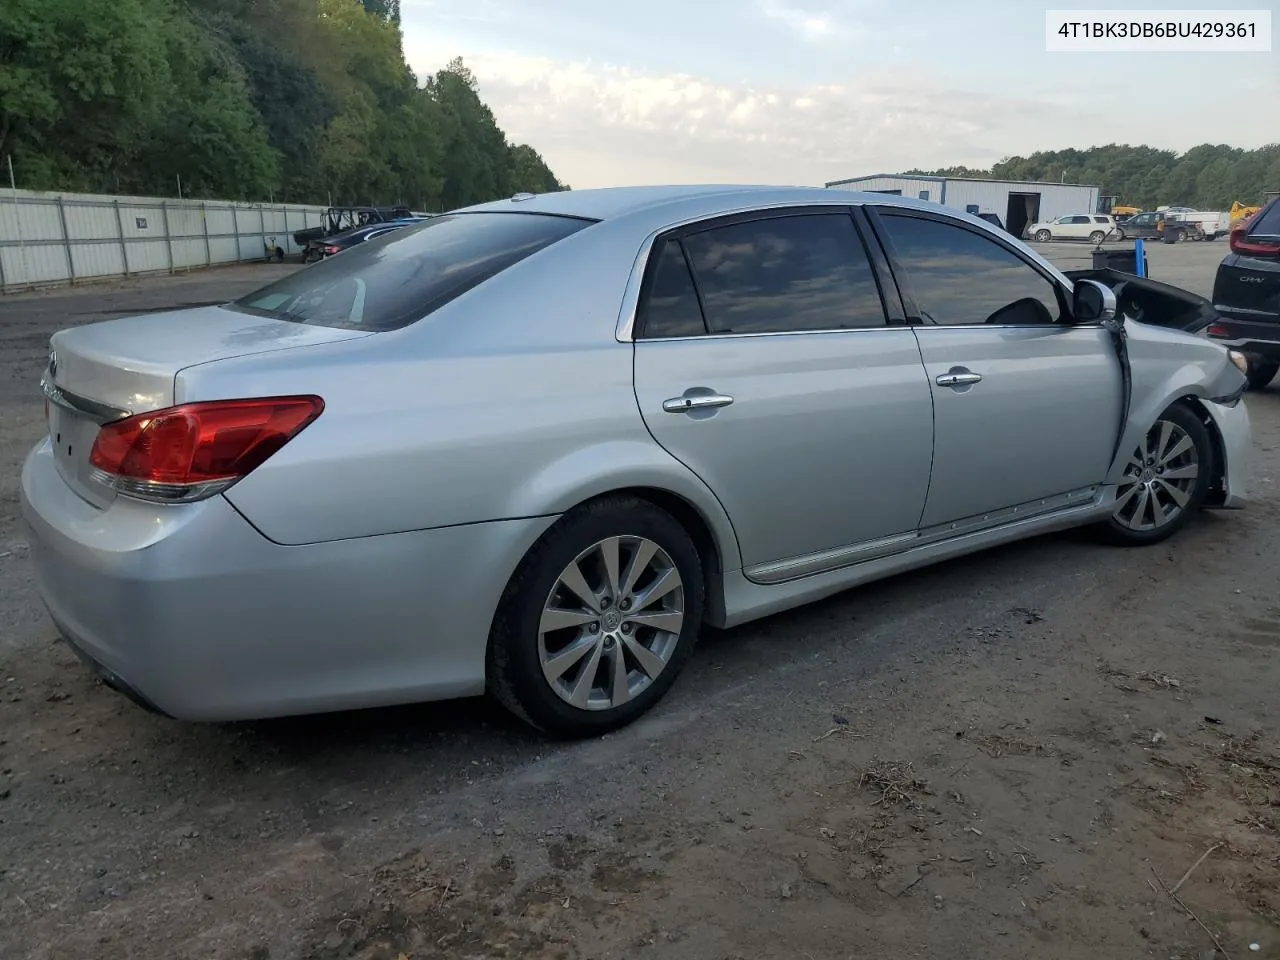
<point x="532" y="446"/>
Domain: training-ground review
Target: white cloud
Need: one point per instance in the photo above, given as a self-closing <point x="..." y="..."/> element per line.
<point x="814" y="26"/>
<point x="599" y="125"/>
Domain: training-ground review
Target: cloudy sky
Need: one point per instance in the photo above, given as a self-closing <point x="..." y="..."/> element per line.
<point x="806" y="91"/>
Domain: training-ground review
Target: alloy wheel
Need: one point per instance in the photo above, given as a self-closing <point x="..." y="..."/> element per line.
<point x="1159" y="479"/>
<point x="611" y="622"/>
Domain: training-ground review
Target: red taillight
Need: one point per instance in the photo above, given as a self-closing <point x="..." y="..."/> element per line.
<point x="330" y="250"/>
<point x="1217" y="330"/>
<point x="1240" y="243"/>
<point x="195" y="450"/>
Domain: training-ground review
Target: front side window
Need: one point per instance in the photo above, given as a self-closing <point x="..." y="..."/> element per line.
<point x="390" y="281"/>
<point x="959" y="278"/>
<point x="785" y="274"/>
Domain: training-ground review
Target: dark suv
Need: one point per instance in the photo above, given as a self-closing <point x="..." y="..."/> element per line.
<point x="1246" y="294"/>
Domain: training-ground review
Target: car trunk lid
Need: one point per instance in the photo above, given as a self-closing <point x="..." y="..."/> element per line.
<point x="105" y="371"/>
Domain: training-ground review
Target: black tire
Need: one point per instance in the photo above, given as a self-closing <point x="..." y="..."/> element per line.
<point x="1262" y="372"/>
<point x="1171" y="236"/>
<point x="1043" y="236"/>
<point x="1114" y="531"/>
<point x="1119" y="236"/>
<point x="1097" y="237"/>
<point x="513" y="668"/>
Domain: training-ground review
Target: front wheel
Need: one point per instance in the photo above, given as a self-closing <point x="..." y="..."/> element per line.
<point x="598" y="620"/>
<point x="1261" y="373"/>
<point x="1164" y="483"/>
<point x="1043" y="236"/>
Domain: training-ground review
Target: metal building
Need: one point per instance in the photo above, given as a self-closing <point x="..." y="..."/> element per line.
<point x="1016" y="203"/>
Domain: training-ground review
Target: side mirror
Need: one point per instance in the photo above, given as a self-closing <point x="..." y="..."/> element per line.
<point x="1092" y="302"/>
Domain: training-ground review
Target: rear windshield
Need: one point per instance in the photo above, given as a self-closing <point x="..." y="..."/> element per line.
<point x="392" y="280"/>
<point x="1268" y="222"/>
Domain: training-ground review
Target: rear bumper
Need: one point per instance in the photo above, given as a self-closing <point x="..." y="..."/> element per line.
<point x="1253" y="334"/>
<point x="193" y="613"/>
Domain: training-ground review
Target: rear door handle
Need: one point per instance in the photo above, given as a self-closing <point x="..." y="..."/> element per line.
<point x="696" y="402"/>
<point x="958" y="379"/>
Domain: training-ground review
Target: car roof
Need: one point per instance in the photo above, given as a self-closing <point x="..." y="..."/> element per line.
<point x="607" y="203"/>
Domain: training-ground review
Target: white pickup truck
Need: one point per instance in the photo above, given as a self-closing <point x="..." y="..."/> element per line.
<point x="1194" y="224"/>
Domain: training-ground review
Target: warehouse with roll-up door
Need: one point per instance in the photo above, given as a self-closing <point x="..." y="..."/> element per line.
<point x="1016" y="202"/>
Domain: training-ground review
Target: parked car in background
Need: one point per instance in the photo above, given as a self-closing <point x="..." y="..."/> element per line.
<point x="1096" y="228"/>
<point x="1246" y="294"/>
<point x="1204" y="224"/>
<point x="1171" y="226"/>
<point x="533" y="446"/>
<point x="328" y="246"/>
<point x="336" y="220"/>
<point x="1145" y="225"/>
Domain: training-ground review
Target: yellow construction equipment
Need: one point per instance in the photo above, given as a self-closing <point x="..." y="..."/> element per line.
<point x="1241" y="213"/>
<point x="1125" y="211"/>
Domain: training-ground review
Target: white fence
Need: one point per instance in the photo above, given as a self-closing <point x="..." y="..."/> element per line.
<point x="48" y="238"/>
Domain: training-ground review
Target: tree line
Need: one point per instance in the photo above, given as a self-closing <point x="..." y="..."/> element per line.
<point x="302" y="101"/>
<point x="1209" y="177"/>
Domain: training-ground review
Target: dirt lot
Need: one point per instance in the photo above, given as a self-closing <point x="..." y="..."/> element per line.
<point x="1016" y="754"/>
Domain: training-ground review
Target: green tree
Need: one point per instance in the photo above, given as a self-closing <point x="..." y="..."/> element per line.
<point x="527" y="171"/>
<point x="388" y="10"/>
<point x="79" y="82"/>
<point x="303" y="100"/>
<point x="295" y="106"/>
<point x="1210" y="176"/>
<point x="208" y="133"/>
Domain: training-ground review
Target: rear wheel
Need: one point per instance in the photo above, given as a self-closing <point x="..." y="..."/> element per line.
<point x="1097" y="237"/>
<point x="1165" y="482"/>
<point x="1262" y="372"/>
<point x="598" y="620"/>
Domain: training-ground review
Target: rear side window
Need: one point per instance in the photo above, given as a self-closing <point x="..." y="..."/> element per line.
<point x="1268" y="222"/>
<point x="670" y="307"/>
<point x="785" y="274"/>
<point x="392" y="280"/>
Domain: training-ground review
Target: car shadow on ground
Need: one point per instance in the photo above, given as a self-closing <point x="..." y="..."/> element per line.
<point x="860" y="625"/>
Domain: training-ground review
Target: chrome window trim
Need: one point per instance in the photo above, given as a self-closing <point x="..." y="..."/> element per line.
<point x="1058" y="327"/>
<point x="101" y="412"/>
<point x="977" y="224"/>
<point x="624" y="332"/>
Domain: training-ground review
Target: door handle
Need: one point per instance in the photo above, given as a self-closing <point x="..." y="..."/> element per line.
<point x="695" y="402"/>
<point x="958" y="379"/>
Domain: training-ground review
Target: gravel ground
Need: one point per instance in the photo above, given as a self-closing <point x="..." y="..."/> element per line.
<point x="1018" y="753"/>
